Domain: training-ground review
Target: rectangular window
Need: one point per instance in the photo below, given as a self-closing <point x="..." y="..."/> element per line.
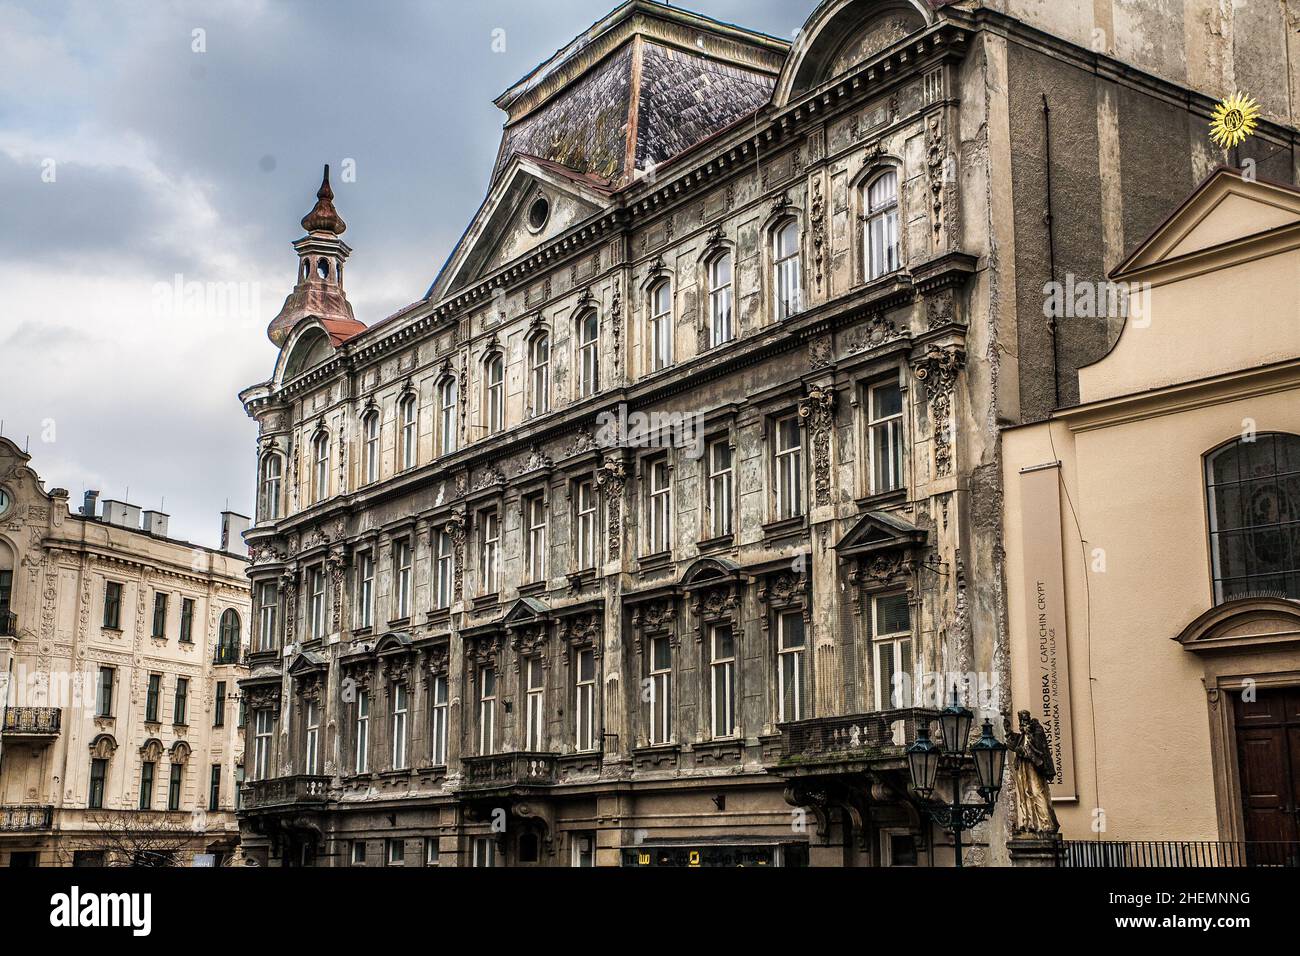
<point x="112" y="605"/>
<point x="363" y="732"/>
<point x="588" y="354"/>
<point x="585" y="703"/>
<point x="885" y="436"/>
<point x="430" y="851"/>
<point x="180" y="705"/>
<point x="585" y="506"/>
<point x="402" y="564"/>
<point x="720" y="300"/>
<point x="880" y="225"/>
<point x="534" y="709"/>
<point x="187" y="621"/>
<point x="159" y="615"/>
<point x="443" y="560"/>
<point x="268" y="597"/>
<point x="447" y="429"/>
<point x="788" y="468"/>
<point x="496" y="394"/>
<point x="485" y="851"/>
<point x="146" y="785"/>
<point x="312" y="747"/>
<point x="214" y="789"/>
<point x="659" y="507"/>
<point x="660" y="724"/>
<point x="317" y="618"/>
<point x="785" y="259"/>
<point x="98" y="771"/>
<point x="722" y="680"/>
<point x="152" y="695"/>
<point x="535" y="522"/>
<point x="399" y="726"/>
<point x="410" y="431"/>
<point x="661" y="327"/>
<point x="357" y="855"/>
<point x="104" y="697"/>
<point x="891" y="643"/>
<point x="394" y="852"/>
<point x="366" y="590"/>
<point x="219" y="705"/>
<point x="263" y="726"/>
<point x="439" y="710"/>
<point x="790" y="667"/>
<point x="490" y="551"/>
<point x="487" y="710"/>
<point x="174" y="787"/>
<point x="584" y="849"/>
<point x="371" y="427"/>
<point x="721" y="485"/>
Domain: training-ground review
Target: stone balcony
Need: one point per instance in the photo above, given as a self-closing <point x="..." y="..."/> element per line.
<point x="226" y="654"/>
<point x="33" y="724"/>
<point x="509" y="771"/>
<point x="8" y="624"/>
<point x="277" y="792"/>
<point x="855" y="741"/>
<point x="25" y="818"/>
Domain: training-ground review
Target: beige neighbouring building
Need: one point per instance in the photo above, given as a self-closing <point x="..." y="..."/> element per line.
<point x="120" y="654"/>
<point x="1177" y="485"/>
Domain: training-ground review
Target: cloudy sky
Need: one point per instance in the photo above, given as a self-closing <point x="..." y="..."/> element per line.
<point x="130" y="160"/>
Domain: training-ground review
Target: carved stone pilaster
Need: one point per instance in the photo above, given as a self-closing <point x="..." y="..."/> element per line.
<point x="818" y="413"/>
<point x="937" y="370"/>
<point x="456" y="528"/>
<point x="611" y="478"/>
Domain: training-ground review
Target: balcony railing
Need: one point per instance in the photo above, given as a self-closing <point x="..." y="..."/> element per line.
<point x="32" y="721"/>
<point x="884" y="734"/>
<point x="226" y="654"/>
<point x="285" y="791"/>
<point x="8" y="624"/>
<point x="519" y="769"/>
<point x="1181" y="853"/>
<point x="25" y="818"/>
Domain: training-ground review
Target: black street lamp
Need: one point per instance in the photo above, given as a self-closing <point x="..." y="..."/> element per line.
<point x="924" y="761"/>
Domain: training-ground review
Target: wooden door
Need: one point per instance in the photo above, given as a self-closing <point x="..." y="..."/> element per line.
<point x="1268" y="755"/>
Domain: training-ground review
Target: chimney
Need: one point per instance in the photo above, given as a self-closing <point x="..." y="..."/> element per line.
<point x="155" y="522"/>
<point x="233" y="526"/>
<point x="122" y="514"/>
<point x="89" y="503"/>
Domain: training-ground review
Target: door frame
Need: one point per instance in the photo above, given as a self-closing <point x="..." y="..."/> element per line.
<point x="1249" y="639"/>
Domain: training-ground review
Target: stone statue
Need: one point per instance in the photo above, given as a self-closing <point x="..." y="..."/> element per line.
<point x="1031" y="771"/>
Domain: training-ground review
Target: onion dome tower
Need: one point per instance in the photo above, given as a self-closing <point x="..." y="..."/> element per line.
<point x="321" y="254"/>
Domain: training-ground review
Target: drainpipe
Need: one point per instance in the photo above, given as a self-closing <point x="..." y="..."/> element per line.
<point x="1051" y="247"/>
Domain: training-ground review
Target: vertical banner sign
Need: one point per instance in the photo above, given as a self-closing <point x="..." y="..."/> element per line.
<point x="1047" y="660"/>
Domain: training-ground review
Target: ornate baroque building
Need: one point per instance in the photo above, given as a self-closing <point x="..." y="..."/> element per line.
<point x="121" y="650"/>
<point x="652" y="531"/>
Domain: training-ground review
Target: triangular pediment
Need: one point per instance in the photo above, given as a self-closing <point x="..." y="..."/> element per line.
<point x="1222" y="210"/>
<point x="526" y="610"/>
<point x="534" y="202"/>
<point x="879" y="531"/>
<point x="307" y="662"/>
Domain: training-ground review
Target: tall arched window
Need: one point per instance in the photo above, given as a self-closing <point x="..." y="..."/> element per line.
<point x="661" y="326"/>
<point x="228" y="637"/>
<point x="1253" y="493"/>
<point x="588" y="353"/>
<point x="447" y="416"/>
<point x="370" y="433"/>
<point x="494" y="393"/>
<point x="539" y="363"/>
<point x="272" y="471"/>
<point x="408" y="412"/>
<point x="720" y="299"/>
<point x="321" y="467"/>
<point x="786" y="269"/>
<point x="880" y="225"/>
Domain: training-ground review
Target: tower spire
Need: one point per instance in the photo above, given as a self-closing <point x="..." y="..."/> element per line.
<point x="321" y="254"/>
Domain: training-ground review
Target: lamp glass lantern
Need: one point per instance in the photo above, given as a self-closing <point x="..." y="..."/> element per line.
<point x="990" y="756"/>
<point x="923" y="761"/>
<point x="954" y="725"/>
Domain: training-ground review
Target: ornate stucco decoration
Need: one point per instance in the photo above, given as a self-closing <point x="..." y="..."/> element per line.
<point x="611" y="477"/>
<point x="937" y="370"/>
<point x="818" y="413"/>
<point x="818" y="217"/>
<point x="335" y="563"/>
<point x="489" y="476"/>
<point x="537" y="460"/>
<point x="455" y="527"/>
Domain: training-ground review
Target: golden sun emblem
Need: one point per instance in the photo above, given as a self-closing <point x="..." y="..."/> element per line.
<point x="1233" y="120"/>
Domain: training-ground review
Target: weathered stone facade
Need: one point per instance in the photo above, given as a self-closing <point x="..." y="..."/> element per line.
<point x="121" y="650"/>
<point x="452" y="540"/>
